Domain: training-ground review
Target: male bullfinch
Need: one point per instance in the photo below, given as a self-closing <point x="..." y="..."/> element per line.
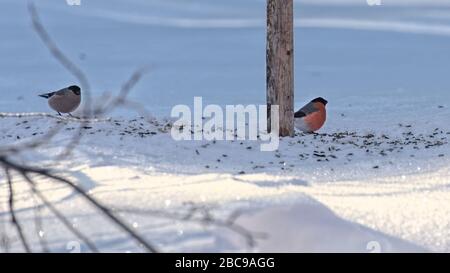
<point x="65" y="100"/>
<point x="312" y="116"/>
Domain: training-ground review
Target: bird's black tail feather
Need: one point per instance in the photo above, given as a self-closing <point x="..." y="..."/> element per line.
<point x="46" y="96"/>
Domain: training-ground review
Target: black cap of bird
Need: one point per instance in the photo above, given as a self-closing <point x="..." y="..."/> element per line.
<point x="65" y="100"/>
<point x="312" y="116"/>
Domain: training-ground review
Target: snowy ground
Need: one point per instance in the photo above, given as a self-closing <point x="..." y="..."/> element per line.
<point x="377" y="178"/>
<point x="355" y="188"/>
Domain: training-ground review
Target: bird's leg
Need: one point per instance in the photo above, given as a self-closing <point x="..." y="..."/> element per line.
<point x="59" y="114"/>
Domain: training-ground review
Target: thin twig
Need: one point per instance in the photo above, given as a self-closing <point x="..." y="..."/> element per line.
<point x="39" y="228"/>
<point x="201" y="215"/>
<point x="89" y="116"/>
<point x="57" y="117"/>
<point x="59" y="215"/>
<point x="115" y="219"/>
<point x="14" y="219"/>
<point x="55" y="51"/>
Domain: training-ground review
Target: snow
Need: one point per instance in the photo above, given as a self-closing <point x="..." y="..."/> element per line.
<point x="311" y="227"/>
<point x="375" y="178"/>
<point x="127" y="165"/>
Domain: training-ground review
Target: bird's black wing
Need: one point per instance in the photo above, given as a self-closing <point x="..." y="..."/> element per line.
<point x="51" y="94"/>
<point x="306" y="110"/>
<point x="299" y="114"/>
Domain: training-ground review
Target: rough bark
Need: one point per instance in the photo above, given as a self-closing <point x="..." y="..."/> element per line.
<point x="280" y="62"/>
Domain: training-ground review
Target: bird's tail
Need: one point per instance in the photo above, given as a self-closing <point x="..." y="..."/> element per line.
<point x="46" y="96"/>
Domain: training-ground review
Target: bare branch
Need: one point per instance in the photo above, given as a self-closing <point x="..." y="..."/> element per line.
<point x="14" y="219"/>
<point x="48" y="115"/>
<point x="89" y="115"/>
<point x="200" y="215"/>
<point x="39" y="227"/>
<point x="116" y="220"/>
<point x="55" y="51"/>
<point x="59" y="215"/>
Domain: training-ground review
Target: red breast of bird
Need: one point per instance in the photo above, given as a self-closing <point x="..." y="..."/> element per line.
<point x="317" y="119"/>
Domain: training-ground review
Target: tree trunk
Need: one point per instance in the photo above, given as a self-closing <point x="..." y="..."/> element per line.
<point x="280" y="62"/>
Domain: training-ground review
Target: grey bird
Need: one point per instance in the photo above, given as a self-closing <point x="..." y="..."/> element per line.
<point x="65" y="100"/>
